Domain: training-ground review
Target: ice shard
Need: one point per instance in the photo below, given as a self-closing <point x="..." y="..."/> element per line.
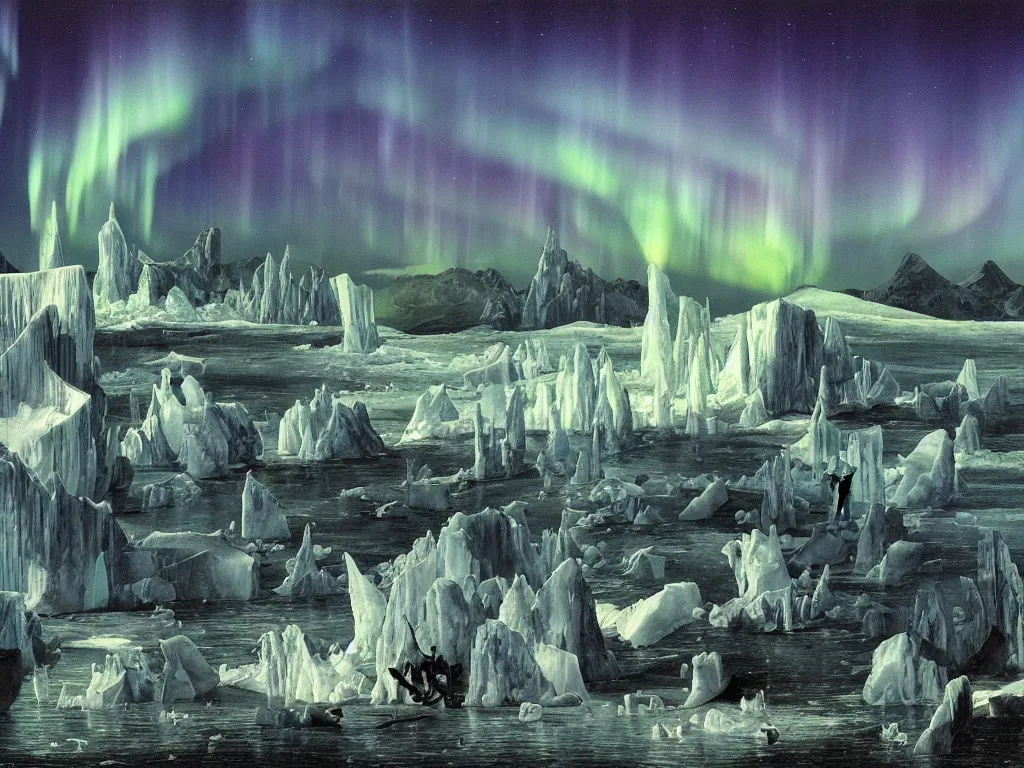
<point x="368" y="610"/>
<point x="901" y="675"/>
<point x="864" y="454"/>
<point x="326" y="429"/>
<point x="967" y="440"/>
<point x="262" y="516"/>
<point x="651" y="619"/>
<point x="118" y="270"/>
<point x="305" y="578"/>
<point x="656" y="361"/>
<point x="356" y="305"/>
<point x="51" y="254"/>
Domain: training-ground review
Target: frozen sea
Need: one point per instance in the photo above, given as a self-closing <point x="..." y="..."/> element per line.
<point x="812" y="679"/>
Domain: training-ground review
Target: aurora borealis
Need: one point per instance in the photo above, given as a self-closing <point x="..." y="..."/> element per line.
<point x="752" y="147"/>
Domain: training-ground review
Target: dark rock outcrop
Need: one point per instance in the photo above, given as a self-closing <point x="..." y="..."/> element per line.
<point x="564" y="292"/>
<point x="451" y="301"/>
<point x="917" y="287"/>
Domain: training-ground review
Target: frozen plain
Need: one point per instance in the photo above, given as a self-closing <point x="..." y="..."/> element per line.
<point x="812" y="678"/>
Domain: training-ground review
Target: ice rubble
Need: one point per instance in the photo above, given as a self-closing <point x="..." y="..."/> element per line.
<point x="201" y="566"/>
<point x="304" y="578"/>
<point x="434" y="409"/>
<point x="447" y="578"/>
<point x="204" y="436"/>
<point x="326" y="428"/>
<point x="952" y="719"/>
<point x="357" y="318"/>
<point x="51" y="254"/>
<point x="262" y="517"/>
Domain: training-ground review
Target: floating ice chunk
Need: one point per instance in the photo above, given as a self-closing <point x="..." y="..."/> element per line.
<point x="304" y="579"/>
<point x="203" y="566"/>
<point x="892" y="734"/>
<point x="503" y="671"/>
<point x="901" y="559"/>
<point x="899" y="674"/>
<point x="709" y="679"/>
<point x="967" y="439"/>
<point x="433" y="408"/>
<point x="929" y="473"/>
<point x="864" y="454"/>
<point x="653" y="618"/>
<point x="186" y="675"/>
<point x="709" y="502"/>
<point x="124" y="678"/>
<point x="368" y="609"/>
<point x="1002" y="593"/>
<point x="951" y="720"/>
<point x="530" y="713"/>
<point x="262" y="517"/>
<point x="641" y="704"/>
<point x="644" y="562"/>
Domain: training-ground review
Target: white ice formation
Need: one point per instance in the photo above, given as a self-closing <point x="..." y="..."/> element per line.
<point x="262" y="516"/>
<point x="357" y="318"/>
<point x="305" y="578"/>
<point x="325" y="428"/>
<point x="434" y="410"/>
<point x="929" y="474"/>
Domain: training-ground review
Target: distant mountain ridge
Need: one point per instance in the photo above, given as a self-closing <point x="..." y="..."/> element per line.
<point x="986" y="294"/>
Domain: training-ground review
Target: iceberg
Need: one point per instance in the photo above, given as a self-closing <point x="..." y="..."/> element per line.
<point x="967" y="439"/>
<point x="203" y="566"/>
<point x="929" y="473"/>
<point x="900" y="675"/>
<point x="952" y="719"/>
<point x="657" y="366"/>
<point x="186" y="675"/>
<point x="864" y="454"/>
<point x="1002" y="594"/>
<point x="118" y="271"/>
<point x="503" y="670"/>
<point x="651" y="619"/>
<point x="784" y="348"/>
<point x="497" y="368"/>
<point x="51" y="254"/>
<point x="433" y="409"/>
<point x="368" y="609"/>
<point x="304" y="578"/>
<point x="66" y="553"/>
<point x="357" y="319"/>
<point x="327" y="429"/>
<point x="709" y="679"/>
<point x="262" y="517"/>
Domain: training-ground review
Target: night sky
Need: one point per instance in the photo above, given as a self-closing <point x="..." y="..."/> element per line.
<point x="745" y="148"/>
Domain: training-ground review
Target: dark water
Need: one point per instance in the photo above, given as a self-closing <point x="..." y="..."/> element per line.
<point x="812" y="680"/>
